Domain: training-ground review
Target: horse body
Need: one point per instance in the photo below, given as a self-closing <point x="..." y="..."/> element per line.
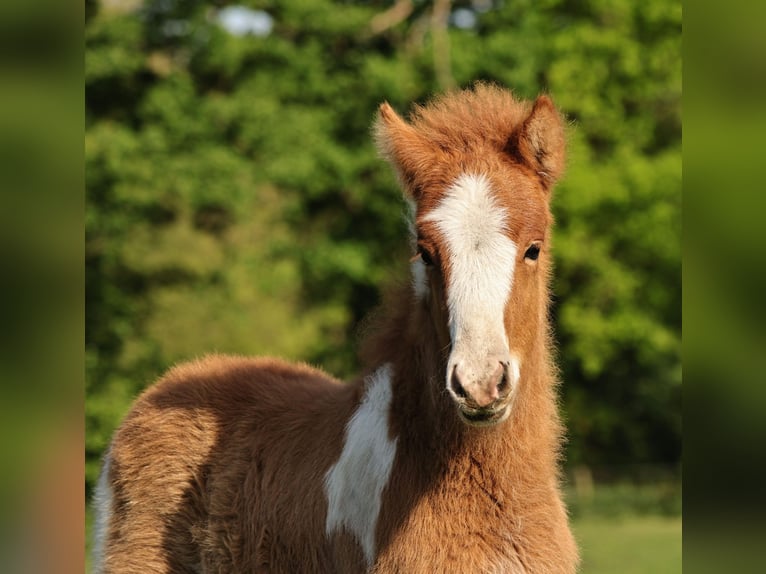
<point x="204" y="471"/>
<point x="442" y="458"/>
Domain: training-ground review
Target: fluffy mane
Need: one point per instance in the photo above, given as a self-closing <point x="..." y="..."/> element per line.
<point x="469" y="119"/>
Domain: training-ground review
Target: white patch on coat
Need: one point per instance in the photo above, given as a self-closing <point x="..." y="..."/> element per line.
<point x="482" y="261"/>
<point x="354" y="484"/>
<point x="102" y="507"/>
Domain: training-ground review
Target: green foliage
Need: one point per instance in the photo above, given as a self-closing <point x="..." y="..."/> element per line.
<point x="236" y="203"/>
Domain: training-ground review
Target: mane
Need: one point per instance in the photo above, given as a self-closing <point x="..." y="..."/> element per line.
<point x="464" y="120"/>
<point x="386" y="327"/>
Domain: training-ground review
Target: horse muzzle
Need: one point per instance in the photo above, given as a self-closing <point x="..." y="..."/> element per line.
<point x="483" y="395"/>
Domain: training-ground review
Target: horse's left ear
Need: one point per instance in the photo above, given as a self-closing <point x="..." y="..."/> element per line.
<point x="402" y="145"/>
<point x="541" y="142"/>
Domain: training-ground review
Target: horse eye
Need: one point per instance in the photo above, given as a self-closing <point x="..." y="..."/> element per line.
<point x="532" y="252"/>
<point x="425" y="256"/>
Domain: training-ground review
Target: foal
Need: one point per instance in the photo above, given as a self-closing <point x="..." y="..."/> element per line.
<point x="443" y="458"/>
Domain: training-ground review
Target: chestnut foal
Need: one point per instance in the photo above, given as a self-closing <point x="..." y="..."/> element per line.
<point x="443" y="458"/>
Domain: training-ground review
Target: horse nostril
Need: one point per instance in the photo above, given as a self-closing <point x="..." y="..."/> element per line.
<point x="503" y="382"/>
<point x="457" y="387"/>
<point x="502" y="386"/>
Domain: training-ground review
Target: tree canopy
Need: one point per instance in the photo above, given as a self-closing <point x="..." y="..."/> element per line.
<point x="235" y="202"/>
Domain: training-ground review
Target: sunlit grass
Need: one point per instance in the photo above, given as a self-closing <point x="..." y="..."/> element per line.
<point x="629" y="544"/>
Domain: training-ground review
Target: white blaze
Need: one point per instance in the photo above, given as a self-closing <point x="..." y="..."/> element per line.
<point x="482" y="261"/>
<point x="354" y="484"/>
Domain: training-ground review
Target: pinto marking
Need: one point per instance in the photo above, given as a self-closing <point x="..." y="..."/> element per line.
<point x="354" y="484"/>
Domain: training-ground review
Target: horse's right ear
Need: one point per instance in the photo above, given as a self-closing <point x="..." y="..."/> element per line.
<point x="402" y="145"/>
<point x="541" y="142"/>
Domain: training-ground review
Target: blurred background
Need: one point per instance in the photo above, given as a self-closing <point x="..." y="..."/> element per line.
<point x="235" y="203"/>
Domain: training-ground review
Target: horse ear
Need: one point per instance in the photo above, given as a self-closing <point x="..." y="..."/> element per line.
<point x="402" y="145"/>
<point x="540" y="141"/>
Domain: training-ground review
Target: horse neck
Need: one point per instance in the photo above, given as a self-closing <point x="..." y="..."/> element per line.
<point x="424" y="416"/>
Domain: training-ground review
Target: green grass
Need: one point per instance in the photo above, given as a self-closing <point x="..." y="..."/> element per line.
<point x="629" y="544"/>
